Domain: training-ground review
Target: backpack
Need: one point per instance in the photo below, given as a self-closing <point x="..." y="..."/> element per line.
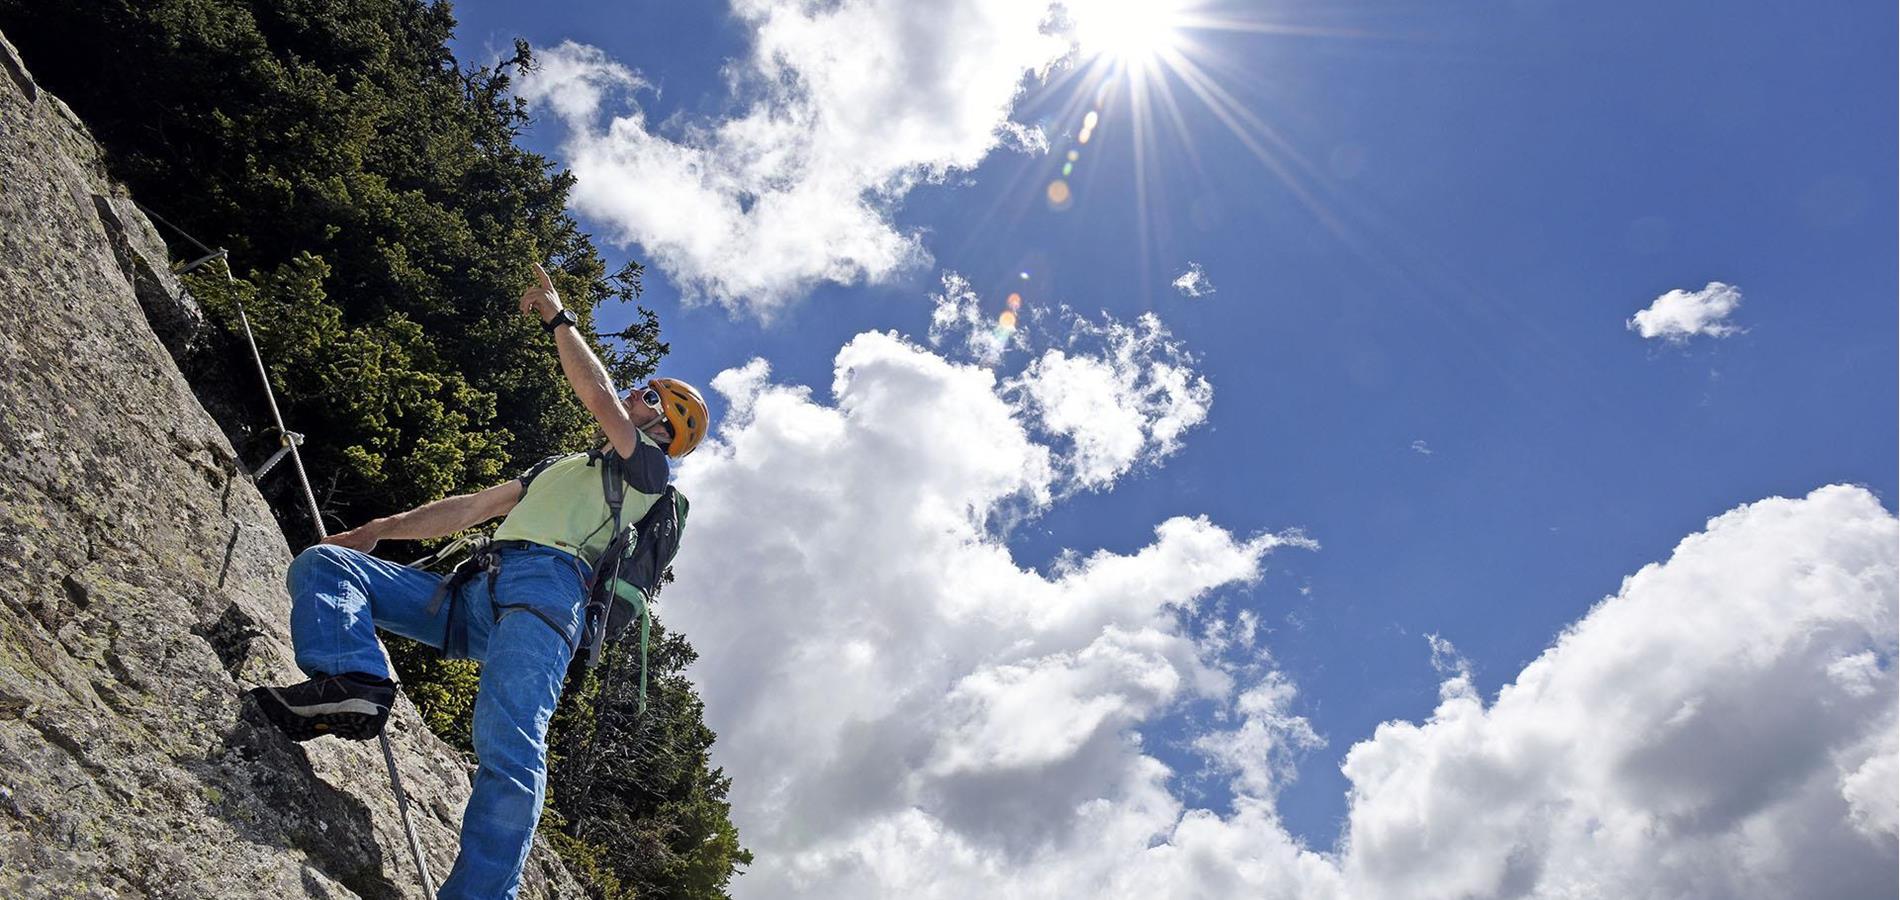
<point x="629" y="570"/>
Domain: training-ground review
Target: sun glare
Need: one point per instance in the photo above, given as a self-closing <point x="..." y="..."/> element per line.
<point x="1129" y="32"/>
<point x="1137" y="71"/>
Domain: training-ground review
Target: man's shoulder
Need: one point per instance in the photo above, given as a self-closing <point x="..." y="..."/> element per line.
<point x="647" y="471"/>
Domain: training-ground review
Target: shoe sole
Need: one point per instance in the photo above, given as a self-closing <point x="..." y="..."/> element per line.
<point x="355" y="720"/>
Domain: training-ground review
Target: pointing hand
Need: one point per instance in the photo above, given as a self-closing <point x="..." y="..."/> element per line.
<point x="541" y="299"/>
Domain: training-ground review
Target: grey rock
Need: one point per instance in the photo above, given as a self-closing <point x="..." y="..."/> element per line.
<point x="141" y="590"/>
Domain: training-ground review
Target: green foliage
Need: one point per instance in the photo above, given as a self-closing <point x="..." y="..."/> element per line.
<point x="443" y="689"/>
<point x="382" y="221"/>
<point x="419" y="431"/>
<point x="587" y="861"/>
<point x="636" y="793"/>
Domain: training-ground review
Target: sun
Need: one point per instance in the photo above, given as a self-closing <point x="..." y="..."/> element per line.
<point x="1131" y="33"/>
<point x="1137" y="71"/>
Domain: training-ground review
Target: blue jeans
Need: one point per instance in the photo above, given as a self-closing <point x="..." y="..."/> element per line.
<point x="523" y="637"/>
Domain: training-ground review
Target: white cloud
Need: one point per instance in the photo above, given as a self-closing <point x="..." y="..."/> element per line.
<point x="1694" y="735"/>
<point x="1222" y="636"/>
<point x="957" y="315"/>
<point x="1680" y="315"/>
<point x="1194" y="282"/>
<point x="1447" y="661"/>
<point x="1871" y="786"/>
<point x="1030" y="715"/>
<point x="843" y="108"/>
<point x="1120" y="395"/>
<point x="909" y="711"/>
<point x="574" y="79"/>
<point x="1421" y="448"/>
<point x="884" y="678"/>
<point x="1261" y="753"/>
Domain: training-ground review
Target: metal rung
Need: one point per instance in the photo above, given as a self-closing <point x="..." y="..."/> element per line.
<point x="216" y="254"/>
<point x="290" y="440"/>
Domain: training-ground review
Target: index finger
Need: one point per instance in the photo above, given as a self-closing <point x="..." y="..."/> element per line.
<point x="542" y="274"/>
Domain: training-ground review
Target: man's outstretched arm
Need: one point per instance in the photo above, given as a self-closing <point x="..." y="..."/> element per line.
<point x="432" y="520"/>
<point x="585" y="374"/>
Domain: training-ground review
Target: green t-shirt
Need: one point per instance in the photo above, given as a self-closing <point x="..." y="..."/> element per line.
<point x="562" y="505"/>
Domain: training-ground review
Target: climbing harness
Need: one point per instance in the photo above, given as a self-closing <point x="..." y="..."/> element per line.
<point x="485" y="562"/>
<point x="290" y="442"/>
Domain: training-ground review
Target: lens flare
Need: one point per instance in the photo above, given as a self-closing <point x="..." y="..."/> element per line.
<point x="1005" y="327"/>
<point x="1058" y="194"/>
<point x="1003" y="331"/>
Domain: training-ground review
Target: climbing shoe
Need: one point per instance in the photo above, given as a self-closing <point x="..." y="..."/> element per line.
<point x="352" y="706"/>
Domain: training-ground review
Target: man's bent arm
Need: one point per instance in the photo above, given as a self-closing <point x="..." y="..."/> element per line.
<point x="440" y="518"/>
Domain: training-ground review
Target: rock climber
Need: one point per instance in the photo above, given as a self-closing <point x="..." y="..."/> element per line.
<point x="523" y="621"/>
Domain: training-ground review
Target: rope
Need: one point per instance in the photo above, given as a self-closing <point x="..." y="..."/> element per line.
<point x="290" y="443"/>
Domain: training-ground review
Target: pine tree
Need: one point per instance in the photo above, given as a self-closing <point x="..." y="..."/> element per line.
<point x="369" y="189"/>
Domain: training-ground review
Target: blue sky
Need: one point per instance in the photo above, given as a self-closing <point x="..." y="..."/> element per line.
<point x="1467" y="203"/>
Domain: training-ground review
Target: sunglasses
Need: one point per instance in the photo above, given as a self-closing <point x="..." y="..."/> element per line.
<point x="652" y="399"/>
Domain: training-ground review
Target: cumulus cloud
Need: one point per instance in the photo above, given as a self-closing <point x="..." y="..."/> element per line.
<point x="1680" y="315"/>
<point x="1194" y="282"/>
<point x="1113" y="396"/>
<point x="898" y="696"/>
<point x="1447" y="661"/>
<point x="907" y="710"/>
<point x="842" y="108"/>
<point x="573" y="79"/>
<point x="1711" y="730"/>
<point x="1261" y="754"/>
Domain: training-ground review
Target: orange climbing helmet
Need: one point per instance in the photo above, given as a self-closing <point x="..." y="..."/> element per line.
<point x="685" y="412"/>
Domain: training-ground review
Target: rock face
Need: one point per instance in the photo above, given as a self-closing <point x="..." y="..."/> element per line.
<point x="141" y="590"/>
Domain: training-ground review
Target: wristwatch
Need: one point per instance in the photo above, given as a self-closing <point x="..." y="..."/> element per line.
<point x="564" y="317"/>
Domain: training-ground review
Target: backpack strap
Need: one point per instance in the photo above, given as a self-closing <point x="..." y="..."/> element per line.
<point x="612" y="486"/>
<point x="600" y="593"/>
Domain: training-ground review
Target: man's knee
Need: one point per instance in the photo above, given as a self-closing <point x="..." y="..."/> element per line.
<point x="319" y="558"/>
<point x="512" y="752"/>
